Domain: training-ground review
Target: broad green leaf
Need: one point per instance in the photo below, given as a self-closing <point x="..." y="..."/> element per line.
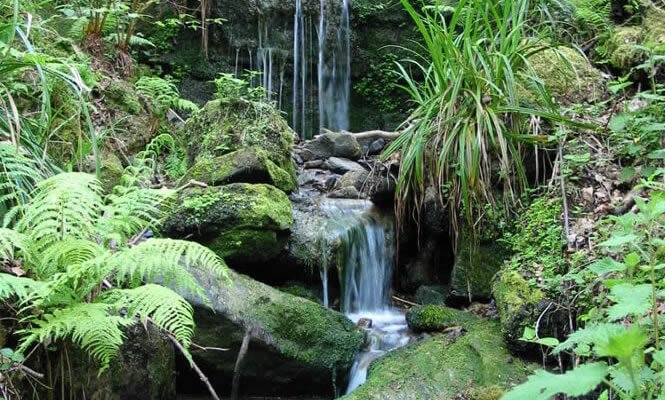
<point x="631" y="259"/>
<point x="605" y="266"/>
<point x="544" y="385"/>
<point x="620" y="240"/>
<point x="629" y="300"/>
<point x="619" y="122"/>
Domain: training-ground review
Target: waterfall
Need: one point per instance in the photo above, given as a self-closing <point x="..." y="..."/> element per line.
<point x="299" y="72"/>
<point x="334" y="69"/>
<point x="360" y="241"/>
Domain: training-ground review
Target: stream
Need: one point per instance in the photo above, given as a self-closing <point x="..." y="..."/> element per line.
<point x="364" y="240"/>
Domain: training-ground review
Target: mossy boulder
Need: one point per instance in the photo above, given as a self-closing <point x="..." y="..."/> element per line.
<point x="144" y="369"/>
<point x="122" y="95"/>
<point x="442" y="367"/>
<point x="221" y="128"/>
<point x="244" y="223"/>
<point x="569" y="76"/>
<point x="332" y="144"/>
<point x="476" y="263"/>
<point x="431" y="318"/>
<point x="247" y="165"/>
<point x="628" y="45"/>
<point x="519" y="304"/>
<point x="297" y="345"/>
<point x="111" y="171"/>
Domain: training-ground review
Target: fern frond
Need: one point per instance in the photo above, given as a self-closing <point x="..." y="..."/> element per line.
<point x="13" y="245"/>
<point x="169" y="262"/>
<point x="92" y="326"/>
<point x="163" y="94"/>
<point x="18" y="177"/>
<point x="64" y="206"/>
<point x="165" y="308"/>
<point x="62" y="254"/>
<point x="185" y="105"/>
<point x="128" y="210"/>
<point x="19" y="287"/>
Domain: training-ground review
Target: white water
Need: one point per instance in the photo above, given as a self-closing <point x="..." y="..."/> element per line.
<point x="334" y="69"/>
<point x="366" y="251"/>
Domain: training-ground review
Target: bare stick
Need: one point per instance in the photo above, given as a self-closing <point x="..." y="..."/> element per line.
<point x="195" y="367"/>
<point x="235" y="386"/>
<point x="407" y="302"/>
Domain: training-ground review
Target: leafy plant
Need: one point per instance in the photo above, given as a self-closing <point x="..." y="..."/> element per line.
<point x="88" y="273"/>
<point x="622" y="340"/>
<point x="162" y="95"/>
<point x="469" y="121"/>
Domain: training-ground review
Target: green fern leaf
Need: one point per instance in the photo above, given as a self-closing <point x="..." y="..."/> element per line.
<point x="92" y="326"/>
<point x="19" y="287"/>
<point x="165" y="308"/>
<point x="13" y="245"/>
<point x="64" y="206"/>
<point x="544" y="385"/>
<point x="131" y="209"/>
<point x="168" y="261"/>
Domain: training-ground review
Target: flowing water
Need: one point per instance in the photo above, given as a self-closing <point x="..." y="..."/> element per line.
<point x="334" y="69"/>
<point x="362" y="241"/>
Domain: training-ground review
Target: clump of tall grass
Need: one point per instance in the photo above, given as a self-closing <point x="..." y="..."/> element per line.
<point x="469" y="84"/>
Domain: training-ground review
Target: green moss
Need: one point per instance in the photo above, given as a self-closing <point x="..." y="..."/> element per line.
<point x="572" y="81"/>
<point x="220" y="128"/>
<point x="628" y="45"/>
<point x="442" y="367"/>
<point x="235" y="206"/>
<point x="250" y="165"/>
<point x="298" y="328"/>
<point x="623" y="50"/>
<point x="246" y="223"/>
<point x="492" y="392"/>
<point x="247" y="245"/>
<point x="122" y="95"/>
<point x="476" y="263"/>
<point x="296" y="289"/>
<point x="517" y="301"/>
<point x="111" y="170"/>
<point x="431" y="318"/>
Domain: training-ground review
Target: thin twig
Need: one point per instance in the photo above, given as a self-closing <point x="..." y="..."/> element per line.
<point x="407" y="302"/>
<point x="195" y="367"/>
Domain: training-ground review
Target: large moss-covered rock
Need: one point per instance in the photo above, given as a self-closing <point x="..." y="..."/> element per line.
<point x="297" y="345"/>
<point x="221" y="128"/>
<point x="442" y="367"/>
<point x="569" y="76"/>
<point x="247" y="165"/>
<point x="628" y="45"/>
<point x="143" y="370"/>
<point x="431" y="318"/>
<point x="476" y="263"/>
<point x="519" y="305"/>
<point x="245" y="223"/>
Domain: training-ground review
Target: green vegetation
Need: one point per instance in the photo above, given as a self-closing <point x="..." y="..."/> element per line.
<point x="443" y="367"/>
<point x="469" y="114"/>
<point x="431" y="318"/>
<point x="620" y="345"/>
<point x="76" y="265"/>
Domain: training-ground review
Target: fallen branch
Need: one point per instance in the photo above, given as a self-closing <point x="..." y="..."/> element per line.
<point x="407" y="302"/>
<point x="377" y="134"/>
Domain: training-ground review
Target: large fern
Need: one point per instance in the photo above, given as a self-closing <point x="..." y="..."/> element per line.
<point x="74" y="242"/>
<point x="96" y="327"/>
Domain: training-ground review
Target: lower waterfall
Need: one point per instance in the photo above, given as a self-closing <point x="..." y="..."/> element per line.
<point x="363" y="243"/>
